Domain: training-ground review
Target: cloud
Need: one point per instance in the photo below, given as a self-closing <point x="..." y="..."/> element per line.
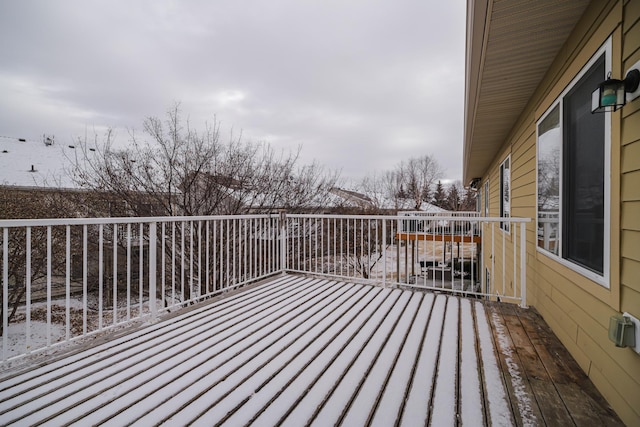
<point x="360" y="84"/>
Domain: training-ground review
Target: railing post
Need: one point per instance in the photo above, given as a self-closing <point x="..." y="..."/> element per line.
<point x="152" y="270"/>
<point x="5" y="293"/>
<point x="384" y="253"/>
<point x="523" y="265"/>
<point x="283" y="241"/>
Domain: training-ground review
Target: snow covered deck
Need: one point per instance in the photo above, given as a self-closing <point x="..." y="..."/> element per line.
<point x="295" y="350"/>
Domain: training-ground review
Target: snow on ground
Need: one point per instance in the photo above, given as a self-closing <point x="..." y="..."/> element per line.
<point x="42" y="337"/>
<point x="426" y="251"/>
<point x="18" y="344"/>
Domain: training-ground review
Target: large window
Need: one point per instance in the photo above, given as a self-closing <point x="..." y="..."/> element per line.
<point x="505" y="192"/>
<point x="573" y="175"/>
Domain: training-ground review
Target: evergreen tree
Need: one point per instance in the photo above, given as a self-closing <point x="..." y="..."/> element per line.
<point x="468" y="200"/>
<point x="453" y="198"/>
<point x="439" y="196"/>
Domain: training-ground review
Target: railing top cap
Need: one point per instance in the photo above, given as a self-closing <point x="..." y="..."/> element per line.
<point x="11" y="223"/>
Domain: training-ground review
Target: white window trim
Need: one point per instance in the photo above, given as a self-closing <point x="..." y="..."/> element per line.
<point x="500" y="189"/>
<point x="603" y="279"/>
<point x="486" y="199"/>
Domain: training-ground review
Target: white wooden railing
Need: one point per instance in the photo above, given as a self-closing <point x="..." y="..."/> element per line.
<point x="65" y="279"/>
<point x="548" y="229"/>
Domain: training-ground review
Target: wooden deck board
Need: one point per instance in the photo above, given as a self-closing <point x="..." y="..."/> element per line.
<point x="559" y="392"/>
<point x="297" y="350"/>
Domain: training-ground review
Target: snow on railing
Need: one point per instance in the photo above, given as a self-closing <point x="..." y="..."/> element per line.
<point x="64" y="279"/>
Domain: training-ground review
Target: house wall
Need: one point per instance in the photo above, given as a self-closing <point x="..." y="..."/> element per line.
<point x="576" y="308"/>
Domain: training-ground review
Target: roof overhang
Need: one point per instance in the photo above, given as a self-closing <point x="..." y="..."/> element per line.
<point x="510" y="46"/>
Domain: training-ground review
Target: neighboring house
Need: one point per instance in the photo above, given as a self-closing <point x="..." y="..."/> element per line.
<point x="36" y="180"/>
<point x="35" y="164"/>
<point x="534" y="149"/>
<point x="33" y="178"/>
<point x="376" y="203"/>
<point x="353" y="199"/>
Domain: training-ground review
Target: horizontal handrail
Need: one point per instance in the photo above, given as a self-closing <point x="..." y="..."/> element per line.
<point x="42" y="222"/>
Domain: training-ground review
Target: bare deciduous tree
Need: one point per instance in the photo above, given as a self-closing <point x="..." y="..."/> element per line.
<point x="383" y="189"/>
<point x="419" y="175"/>
<point x="18" y="203"/>
<point x="176" y="169"/>
<point x="411" y="180"/>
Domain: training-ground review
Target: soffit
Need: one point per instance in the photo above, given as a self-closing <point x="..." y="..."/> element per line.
<point x="510" y="46"/>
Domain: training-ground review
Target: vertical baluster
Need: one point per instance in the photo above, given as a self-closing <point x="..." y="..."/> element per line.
<point x="227" y="244"/>
<point x="523" y="265"/>
<point x="334" y="255"/>
<point x="85" y="252"/>
<point x="141" y="270"/>
<point x="343" y="253"/>
<point x="5" y="292"/>
<point x="115" y="273"/>
<point x="348" y="248"/>
<point x="200" y="258"/>
<point x="49" y="275"/>
<point x="481" y="260"/>
<point x="100" y="272"/>
<point x="128" y="272"/>
<point x="493" y="258"/>
<point x="312" y="236"/>
<point x="301" y="232"/>
<point x="315" y="244"/>
<point x="245" y="252"/>
<point x="384" y="252"/>
<point x="215" y="255"/>
<point x="514" y="240"/>
<point x="152" y="270"/>
<point x="191" y="292"/>
<point x="253" y="239"/>
<point x="183" y="297"/>
<point x="207" y="256"/>
<point x="67" y="284"/>
<point x="173" y="263"/>
<point x="28" y="290"/>
<point x="234" y="276"/>
<point x="305" y="231"/>
<point x="162" y="265"/>
<point x="361" y="254"/>
<point x="504" y="263"/>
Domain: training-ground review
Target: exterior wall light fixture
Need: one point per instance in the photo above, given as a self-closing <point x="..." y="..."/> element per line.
<point x="610" y="94"/>
<point x="475" y="183"/>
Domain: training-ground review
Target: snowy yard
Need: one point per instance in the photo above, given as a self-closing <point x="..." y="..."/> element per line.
<point x="42" y="336"/>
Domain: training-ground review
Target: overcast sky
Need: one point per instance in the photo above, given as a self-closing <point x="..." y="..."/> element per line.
<point x="359" y="84"/>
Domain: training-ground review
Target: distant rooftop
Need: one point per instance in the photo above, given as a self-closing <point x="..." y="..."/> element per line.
<point x="30" y="163"/>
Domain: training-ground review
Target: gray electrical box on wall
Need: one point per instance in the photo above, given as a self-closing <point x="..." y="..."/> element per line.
<point x="622" y="331"/>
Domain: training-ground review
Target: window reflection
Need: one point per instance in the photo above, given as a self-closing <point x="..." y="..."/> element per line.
<point x="549" y="152"/>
